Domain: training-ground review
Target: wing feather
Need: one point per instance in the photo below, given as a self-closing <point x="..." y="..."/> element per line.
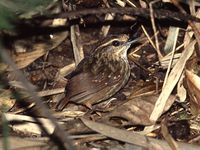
<point x="87" y="87"/>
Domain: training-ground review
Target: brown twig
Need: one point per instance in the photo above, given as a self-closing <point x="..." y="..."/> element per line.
<point x="140" y="12"/>
<point x="154" y="28"/>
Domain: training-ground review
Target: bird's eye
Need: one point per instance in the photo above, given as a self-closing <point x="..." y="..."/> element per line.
<point x="115" y="43"/>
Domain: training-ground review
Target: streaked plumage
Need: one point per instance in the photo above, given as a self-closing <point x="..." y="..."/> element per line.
<point x="100" y="75"/>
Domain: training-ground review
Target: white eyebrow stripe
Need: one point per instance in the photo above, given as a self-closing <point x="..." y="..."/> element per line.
<point x="108" y="43"/>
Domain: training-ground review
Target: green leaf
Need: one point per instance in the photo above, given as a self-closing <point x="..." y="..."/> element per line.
<point x="11" y="10"/>
<point x="6" y="16"/>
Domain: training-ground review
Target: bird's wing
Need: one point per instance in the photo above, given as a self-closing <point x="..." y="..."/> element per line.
<point x="87" y="87"/>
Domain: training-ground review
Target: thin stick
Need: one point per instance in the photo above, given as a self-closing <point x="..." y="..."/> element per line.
<point x="154" y="28"/>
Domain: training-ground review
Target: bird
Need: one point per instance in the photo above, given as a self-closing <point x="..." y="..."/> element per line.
<point x="101" y="74"/>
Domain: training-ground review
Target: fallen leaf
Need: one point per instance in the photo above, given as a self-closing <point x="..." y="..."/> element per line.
<point x="193" y="88"/>
<point x="133" y="138"/>
<point x="171" y="81"/>
<point x="137" y="110"/>
<point x="19" y="143"/>
<point x="144" y="88"/>
<point x="39" y="49"/>
<point x="28" y="124"/>
<point x="6" y="103"/>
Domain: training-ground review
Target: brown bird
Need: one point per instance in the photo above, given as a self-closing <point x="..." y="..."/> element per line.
<point x="100" y="75"/>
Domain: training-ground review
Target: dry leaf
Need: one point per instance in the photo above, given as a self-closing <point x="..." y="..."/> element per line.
<point x="133" y="138"/>
<point x="171" y="82"/>
<point x="192" y="81"/>
<point x="193" y="88"/>
<point x="23" y="143"/>
<point x="171" y="39"/>
<point x="137" y="110"/>
<point x="28" y="124"/>
<point x="6" y="103"/>
<point x="144" y="88"/>
<point x="181" y="91"/>
<point x="24" y="59"/>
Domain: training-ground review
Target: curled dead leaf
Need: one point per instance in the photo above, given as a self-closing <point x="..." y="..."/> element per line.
<point x="191" y="83"/>
<point x="193" y="87"/>
<point x="137" y="110"/>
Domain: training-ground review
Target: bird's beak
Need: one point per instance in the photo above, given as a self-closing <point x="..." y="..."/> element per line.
<point x="133" y="41"/>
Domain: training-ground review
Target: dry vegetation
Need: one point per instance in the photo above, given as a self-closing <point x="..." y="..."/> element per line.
<point x="157" y="109"/>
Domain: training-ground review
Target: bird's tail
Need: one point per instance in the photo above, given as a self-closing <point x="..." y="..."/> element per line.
<point x="62" y="104"/>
